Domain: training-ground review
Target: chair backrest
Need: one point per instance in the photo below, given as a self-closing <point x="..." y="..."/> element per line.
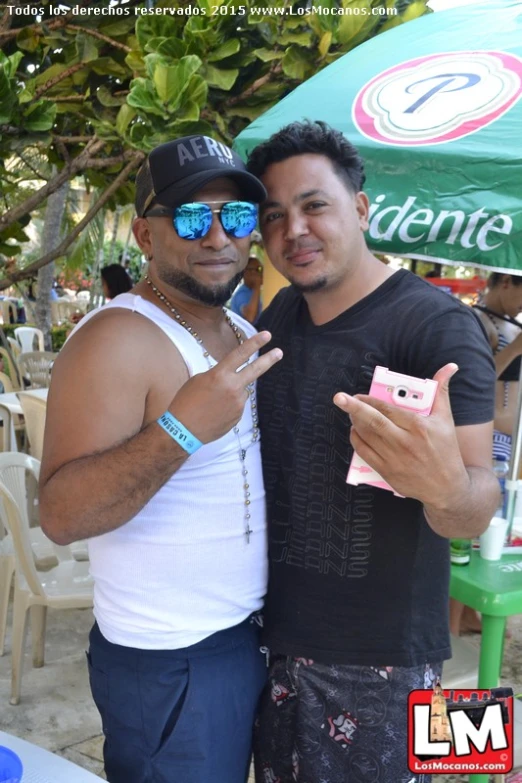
<point x="67" y="309"/>
<point x="62" y="310"/>
<point x="7" y="383"/>
<point x="5" y="415"/>
<point x="27" y="335"/>
<point x="9" y="313"/>
<point x="13" y="512"/>
<point x="11" y="368"/>
<point x="34" y="410"/>
<point x="14" y="345"/>
<point x="37" y="366"/>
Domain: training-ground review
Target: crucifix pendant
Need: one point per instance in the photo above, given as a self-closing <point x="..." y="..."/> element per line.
<point x="243" y="455"/>
<point x="248" y="533"/>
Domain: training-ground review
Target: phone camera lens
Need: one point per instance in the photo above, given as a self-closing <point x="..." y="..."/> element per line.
<point x="402" y="393"/>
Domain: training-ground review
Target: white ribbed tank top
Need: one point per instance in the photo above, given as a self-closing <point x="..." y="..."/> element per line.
<point x="181" y="569"/>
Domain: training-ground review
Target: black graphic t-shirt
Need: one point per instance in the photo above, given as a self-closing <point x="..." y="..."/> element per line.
<point x="357" y="576"/>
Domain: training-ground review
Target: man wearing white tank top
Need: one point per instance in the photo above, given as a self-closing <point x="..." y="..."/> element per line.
<point x="152" y="454"/>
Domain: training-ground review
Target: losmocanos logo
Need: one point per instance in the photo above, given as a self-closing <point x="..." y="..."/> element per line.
<point x="438" y="98"/>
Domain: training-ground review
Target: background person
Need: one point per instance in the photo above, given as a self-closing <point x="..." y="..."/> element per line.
<point x="498" y="310"/>
<point x="246" y="300"/>
<point x="356" y="614"/>
<point x="500" y="306"/>
<point x="115" y="280"/>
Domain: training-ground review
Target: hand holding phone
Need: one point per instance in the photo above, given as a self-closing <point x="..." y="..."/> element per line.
<point x="403" y="391"/>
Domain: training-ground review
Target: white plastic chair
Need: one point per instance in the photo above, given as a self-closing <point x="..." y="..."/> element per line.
<point x="43" y="550"/>
<point x="11" y="367"/>
<point x="26" y="336"/>
<point x="63" y="309"/>
<point x="12" y="424"/>
<point x="66" y="586"/>
<point x="36" y="366"/>
<point x="46" y="553"/>
<point x="35" y="410"/>
<point x="9" y="313"/>
<point x="14" y="345"/>
<point x="7" y="428"/>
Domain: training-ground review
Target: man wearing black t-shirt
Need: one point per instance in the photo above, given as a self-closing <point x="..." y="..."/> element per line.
<point x="356" y="611"/>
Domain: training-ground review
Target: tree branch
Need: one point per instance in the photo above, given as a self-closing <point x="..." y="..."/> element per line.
<point x="7" y="18"/>
<point x="100" y="36"/>
<point x="28" y="271"/>
<point x="57" y="79"/>
<point x="274" y="70"/>
<point x="10" y="130"/>
<point x="102" y="163"/>
<point x="62" y="150"/>
<point x="78" y="164"/>
<point x="53" y="25"/>
<point x="78" y="97"/>
<point x="33" y="169"/>
<point x="72" y="139"/>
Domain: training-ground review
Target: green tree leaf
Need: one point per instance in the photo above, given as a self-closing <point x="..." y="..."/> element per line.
<point x="155" y="26"/>
<point x="11" y="63"/>
<point x="8" y="99"/>
<point x="219" y="77"/>
<point x="189" y="111"/>
<point x="267" y="55"/>
<point x="296" y="63"/>
<point x="355" y="28"/>
<point x="225" y="50"/>
<point x="107" y="66"/>
<point x="86" y="47"/>
<point x="324" y="44"/>
<point x="40" y="116"/>
<point x="170" y="81"/>
<point x="119" y="27"/>
<point x="302" y="39"/>
<point x="28" y="39"/>
<point x="172" y="47"/>
<point x="135" y="62"/>
<point x="153" y="44"/>
<point x="125" y="116"/>
<point x="197" y="90"/>
<point x="106" y="97"/>
<point x="143" y="97"/>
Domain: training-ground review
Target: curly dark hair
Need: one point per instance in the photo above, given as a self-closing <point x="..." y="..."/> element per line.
<point x="311" y="137"/>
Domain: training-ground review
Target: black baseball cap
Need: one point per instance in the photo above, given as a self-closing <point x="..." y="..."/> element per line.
<point x="177" y="169"/>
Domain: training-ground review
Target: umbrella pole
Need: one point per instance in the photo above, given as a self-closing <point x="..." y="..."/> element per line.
<point x="514" y="466"/>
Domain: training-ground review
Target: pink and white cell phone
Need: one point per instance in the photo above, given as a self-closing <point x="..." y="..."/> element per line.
<point x="404" y="391"/>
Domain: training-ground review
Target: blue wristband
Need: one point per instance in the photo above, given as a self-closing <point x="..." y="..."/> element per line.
<point x="179" y="433"/>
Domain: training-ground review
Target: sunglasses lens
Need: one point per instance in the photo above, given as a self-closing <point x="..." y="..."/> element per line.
<point x="239" y="218"/>
<point x="192" y="221"/>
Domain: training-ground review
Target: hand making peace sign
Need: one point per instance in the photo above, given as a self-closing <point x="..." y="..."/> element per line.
<point x="211" y="403"/>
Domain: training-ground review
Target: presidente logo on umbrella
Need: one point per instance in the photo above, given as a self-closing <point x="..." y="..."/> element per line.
<point x="438" y="98"/>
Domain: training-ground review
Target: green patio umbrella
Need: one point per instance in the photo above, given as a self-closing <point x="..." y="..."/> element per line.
<point x="434" y="108"/>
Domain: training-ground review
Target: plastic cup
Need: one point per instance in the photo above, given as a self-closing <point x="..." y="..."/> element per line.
<point x="492" y="539"/>
<point x="11" y="768"/>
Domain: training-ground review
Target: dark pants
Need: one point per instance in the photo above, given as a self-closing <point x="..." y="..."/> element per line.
<point x="340" y="724"/>
<point x="178" y="716"/>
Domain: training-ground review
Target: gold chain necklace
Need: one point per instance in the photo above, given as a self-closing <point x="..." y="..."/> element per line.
<point x="251" y="395"/>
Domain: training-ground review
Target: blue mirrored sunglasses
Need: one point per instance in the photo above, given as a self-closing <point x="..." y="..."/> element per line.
<point x="193" y="221"/>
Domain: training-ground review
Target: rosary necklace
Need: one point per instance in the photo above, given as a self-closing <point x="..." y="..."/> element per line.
<point x="251" y="395"/>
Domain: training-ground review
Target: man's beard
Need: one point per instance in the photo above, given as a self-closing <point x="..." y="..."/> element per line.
<point x="216" y="296"/>
<point x="310" y="288"/>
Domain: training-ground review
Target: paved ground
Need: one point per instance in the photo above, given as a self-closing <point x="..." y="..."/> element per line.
<point x="56" y="710"/>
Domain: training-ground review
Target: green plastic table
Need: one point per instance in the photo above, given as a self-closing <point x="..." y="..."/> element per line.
<point x="493" y="588"/>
